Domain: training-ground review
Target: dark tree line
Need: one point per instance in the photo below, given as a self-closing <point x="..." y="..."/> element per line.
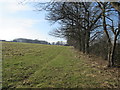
<point x="24" y="40"/>
<point x="87" y="26"/>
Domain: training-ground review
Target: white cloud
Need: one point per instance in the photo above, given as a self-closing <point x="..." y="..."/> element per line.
<point x="13" y="6"/>
<point x="12" y="27"/>
<point x="8" y="0"/>
<point x="23" y="28"/>
<point x="21" y="22"/>
<point x="26" y="1"/>
<point x="16" y="28"/>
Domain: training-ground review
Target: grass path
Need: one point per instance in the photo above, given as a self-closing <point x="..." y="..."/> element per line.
<point x="42" y="66"/>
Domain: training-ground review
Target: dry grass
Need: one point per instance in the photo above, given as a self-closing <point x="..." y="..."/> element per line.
<point x="44" y="66"/>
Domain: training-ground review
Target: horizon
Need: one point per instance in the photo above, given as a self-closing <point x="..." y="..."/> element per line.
<point x="33" y="39"/>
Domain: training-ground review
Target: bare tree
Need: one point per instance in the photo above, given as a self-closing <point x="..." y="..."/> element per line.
<point x="82" y="22"/>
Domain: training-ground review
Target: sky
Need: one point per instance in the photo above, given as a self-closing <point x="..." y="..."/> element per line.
<point x="22" y="21"/>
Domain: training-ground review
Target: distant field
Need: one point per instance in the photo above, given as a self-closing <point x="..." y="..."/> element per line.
<point x="28" y="65"/>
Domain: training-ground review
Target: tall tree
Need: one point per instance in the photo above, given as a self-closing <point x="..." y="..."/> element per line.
<point x="111" y="46"/>
<point x="81" y="24"/>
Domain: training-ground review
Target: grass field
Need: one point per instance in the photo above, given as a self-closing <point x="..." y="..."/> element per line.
<point x="28" y="65"/>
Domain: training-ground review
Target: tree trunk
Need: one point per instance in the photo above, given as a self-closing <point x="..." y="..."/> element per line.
<point x="80" y="45"/>
<point x="83" y="41"/>
<point x="112" y="59"/>
<point x="109" y="41"/>
<point x="87" y="42"/>
<point x="87" y="34"/>
<point x="113" y="50"/>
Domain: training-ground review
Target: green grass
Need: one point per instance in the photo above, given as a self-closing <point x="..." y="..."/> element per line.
<point x="28" y="65"/>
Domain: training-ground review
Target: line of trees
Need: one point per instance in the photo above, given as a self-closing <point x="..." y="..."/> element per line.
<point x="59" y="43"/>
<point x="30" y="41"/>
<point x="86" y="25"/>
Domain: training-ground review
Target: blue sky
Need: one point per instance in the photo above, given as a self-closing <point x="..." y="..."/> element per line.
<point x="21" y="21"/>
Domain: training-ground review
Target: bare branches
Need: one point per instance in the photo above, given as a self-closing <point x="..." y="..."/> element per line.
<point x="83" y="23"/>
<point x="116" y="5"/>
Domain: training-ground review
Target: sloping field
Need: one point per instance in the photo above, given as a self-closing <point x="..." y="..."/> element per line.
<point x="28" y="65"/>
